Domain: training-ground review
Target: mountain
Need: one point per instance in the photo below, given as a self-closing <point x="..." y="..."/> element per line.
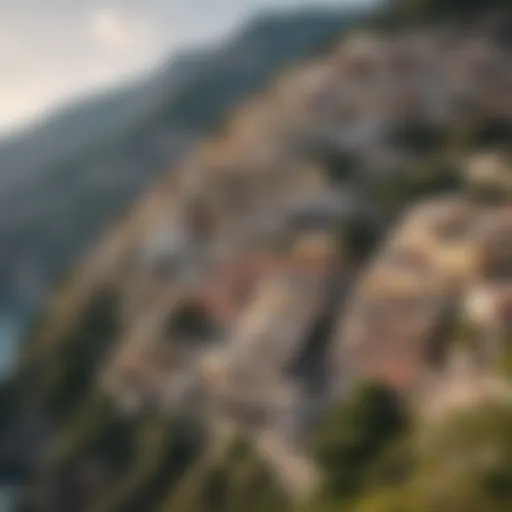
<point x="68" y="178"/>
<point x="338" y="230"/>
<point x="294" y="317"/>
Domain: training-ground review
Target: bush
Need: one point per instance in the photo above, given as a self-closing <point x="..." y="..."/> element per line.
<point x="355" y="435"/>
<point x="63" y="381"/>
<point x="357" y="238"/>
<point x="162" y="452"/>
<point x="238" y="481"/>
<point x="422" y="10"/>
<point x="341" y="167"/>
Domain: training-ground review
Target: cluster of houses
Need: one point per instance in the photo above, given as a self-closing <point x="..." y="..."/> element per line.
<point x="233" y="258"/>
<point x="357" y="96"/>
<point x="447" y="254"/>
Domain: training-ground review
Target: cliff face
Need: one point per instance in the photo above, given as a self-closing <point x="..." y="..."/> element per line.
<point x="284" y="260"/>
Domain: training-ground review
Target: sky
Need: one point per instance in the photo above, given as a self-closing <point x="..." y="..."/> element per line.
<point x="55" y="50"/>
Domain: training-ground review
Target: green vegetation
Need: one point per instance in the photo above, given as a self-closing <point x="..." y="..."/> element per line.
<point x="505" y="358"/>
<point x="356" y="438"/>
<point x="489" y="193"/>
<point x="62" y="385"/>
<point x="161" y="453"/>
<point x="465" y="463"/>
<point x="428" y="178"/>
<point x="465" y="333"/>
<point x="373" y="457"/>
<point x="238" y="481"/>
<point x="374" y="460"/>
<point x="357" y="238"/>
<point x="341" y="166"/>
<point x="421" y="10"/>
<point x="145" y="455"/>
<point x="191" y="323"/>
<point x="96" y="426"/>
<point x="419" y="137"/>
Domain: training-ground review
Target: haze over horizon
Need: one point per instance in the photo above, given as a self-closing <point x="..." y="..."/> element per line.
<point x="54" y="52"/>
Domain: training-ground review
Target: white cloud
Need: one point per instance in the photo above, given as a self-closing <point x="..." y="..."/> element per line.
<point x="119" y="29"/>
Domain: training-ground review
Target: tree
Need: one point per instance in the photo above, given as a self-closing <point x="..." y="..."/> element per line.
<point x="355" y="435"/>
<point x="422" y="10"/>
<point x="239" y="480"/>
<point x="65" y="376"/>
<point x="341" y="166"/>
<point x="392" y="499"/>
<point x="357" y="238"/>
<point x="162" y="452"/>
<point x="464" y="464"/>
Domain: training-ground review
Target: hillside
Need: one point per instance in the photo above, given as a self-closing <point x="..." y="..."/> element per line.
<point x="106" y="150"/>
<point x="312" y="312"/>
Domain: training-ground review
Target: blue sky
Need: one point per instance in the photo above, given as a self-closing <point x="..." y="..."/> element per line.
<point x="52" y="50"/>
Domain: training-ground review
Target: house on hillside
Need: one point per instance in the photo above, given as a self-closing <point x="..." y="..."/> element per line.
<point x="390" y="337"/>
<point x="443" y="228"/>
<point x="494" y="235"/>
<point x="323" y="210"/>
<point x="489" y="171"/>
<point x="488" y="306"/>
